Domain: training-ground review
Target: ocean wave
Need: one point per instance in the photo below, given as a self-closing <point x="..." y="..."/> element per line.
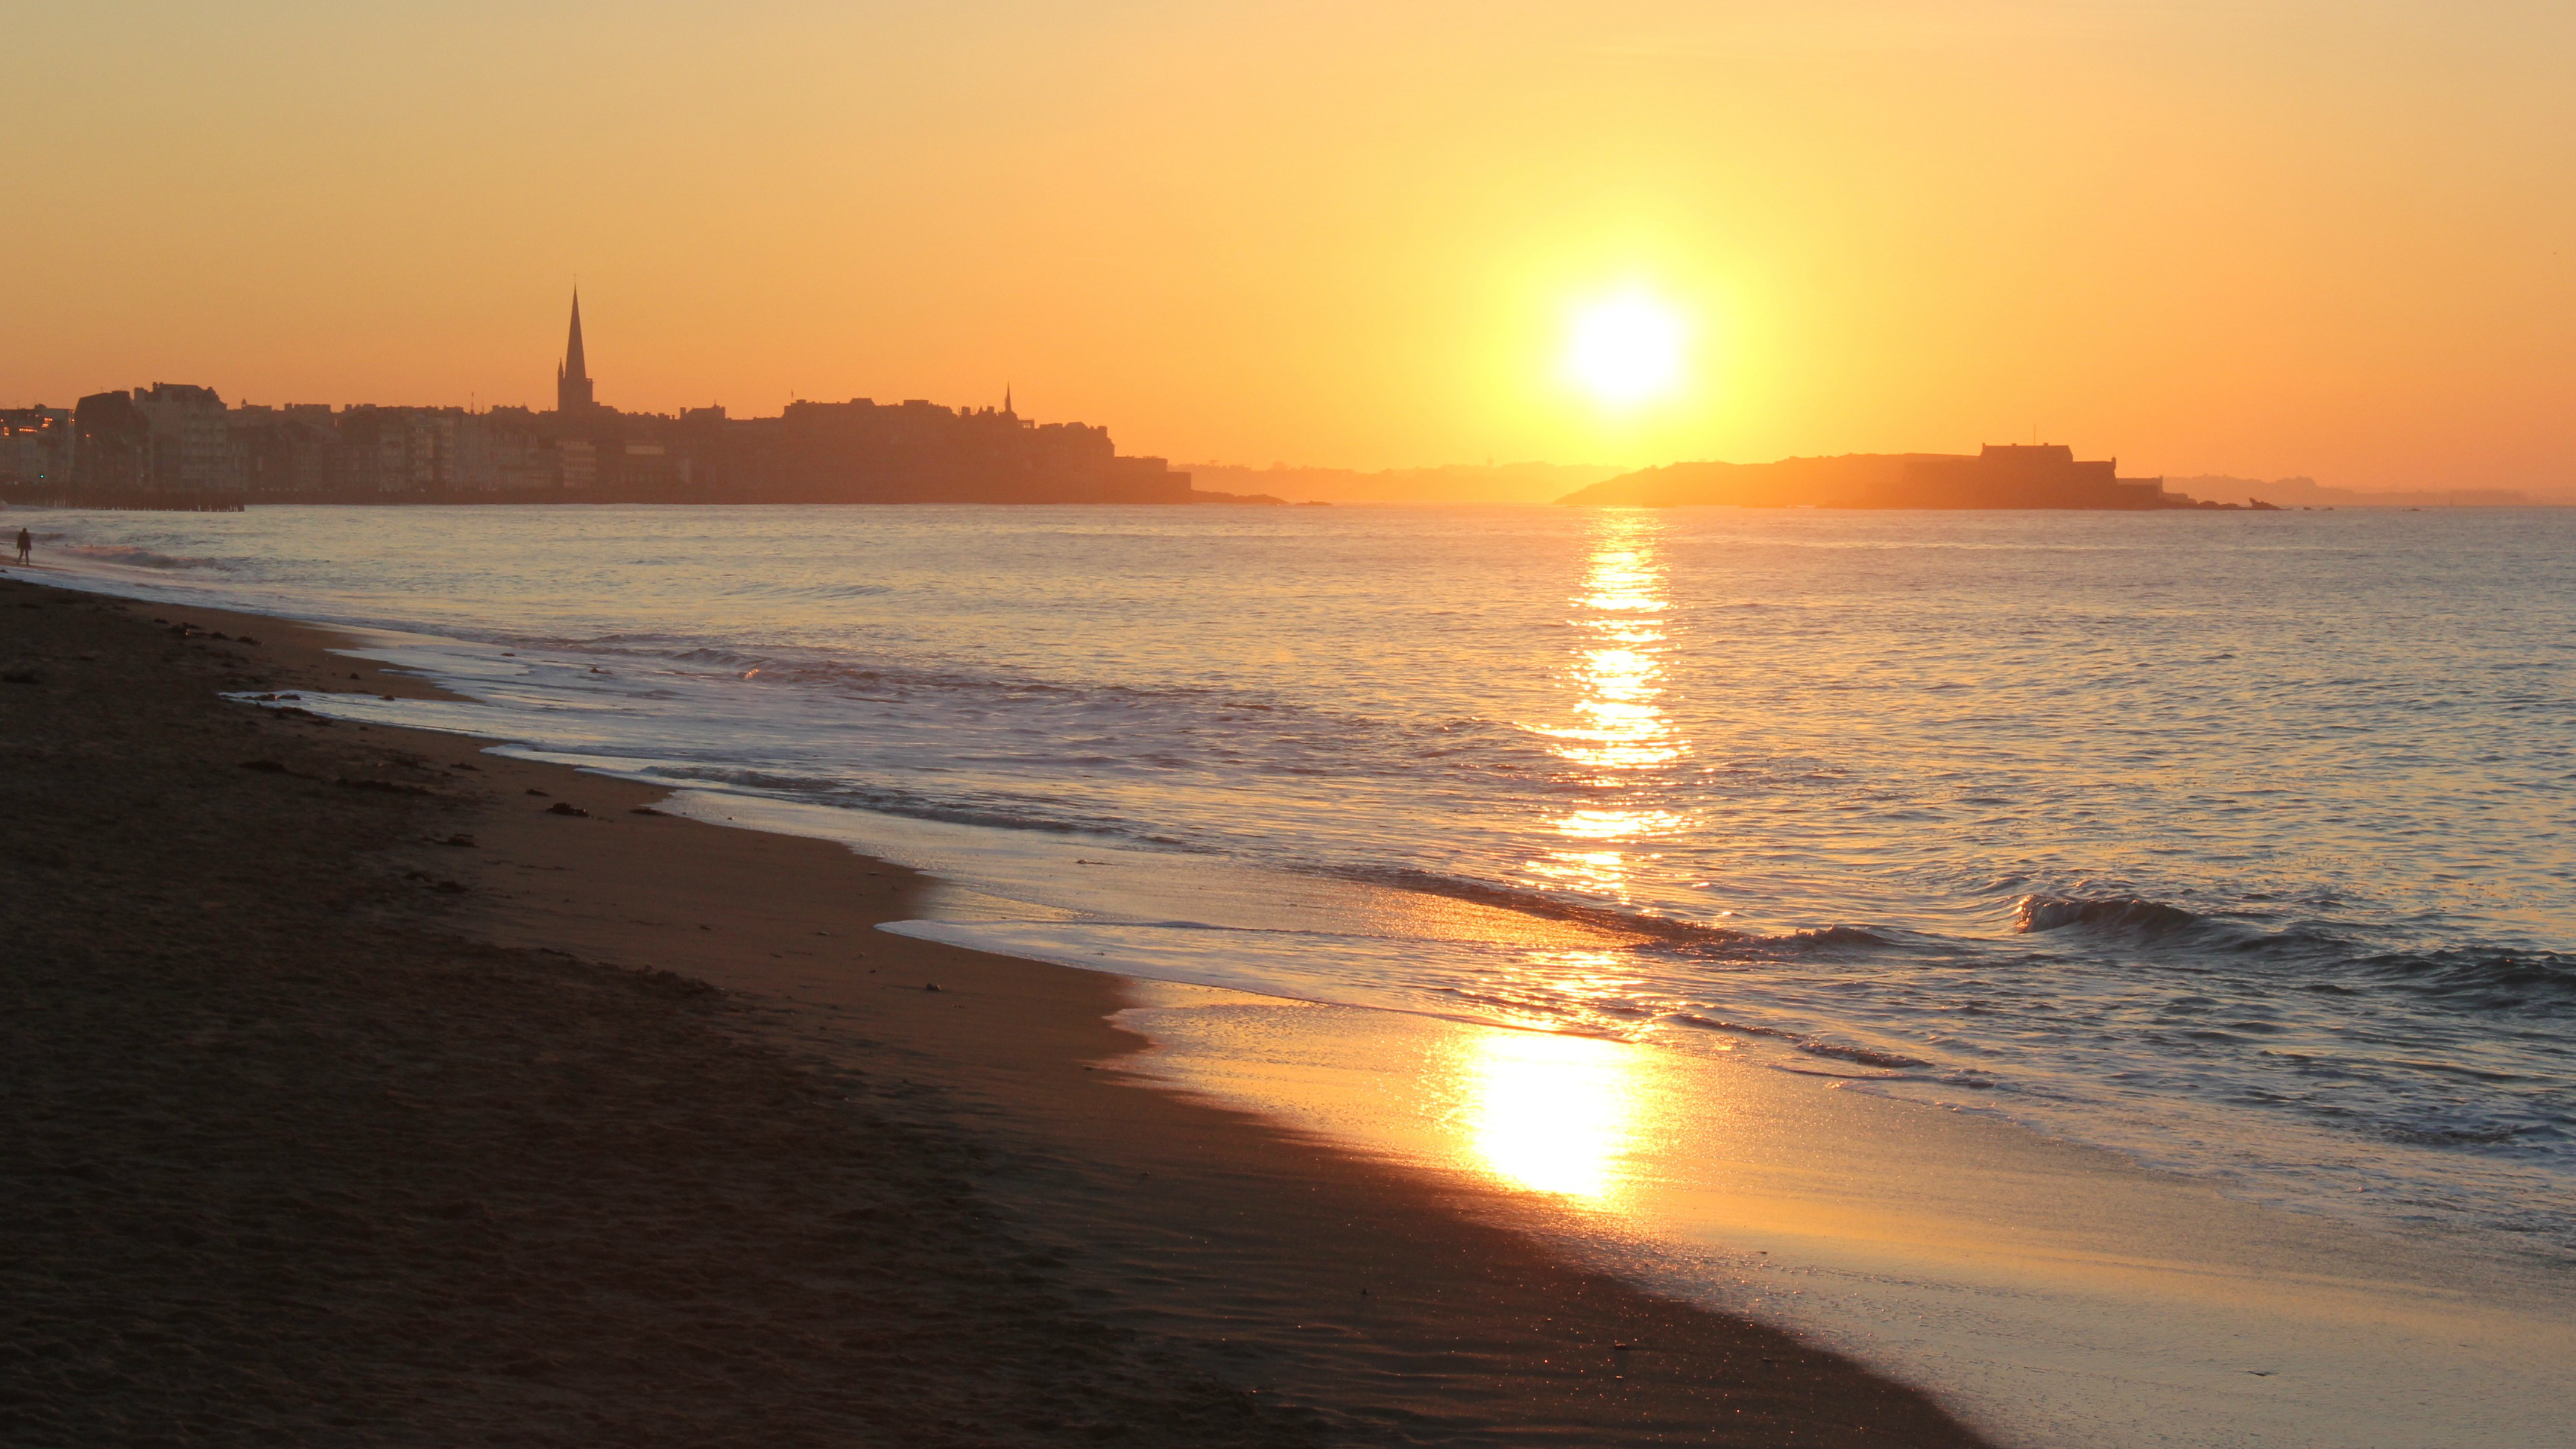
<point x="141" y="558"/>
<point x="723" y="658"/>
<point x="2481" y="978"/>
<point x="1611" y="919"/>
<point x="840" y="794"/>
<point x="1821" y="937"/>
<point x="1863" y="1056"/>
<point x="2130" y="915"/>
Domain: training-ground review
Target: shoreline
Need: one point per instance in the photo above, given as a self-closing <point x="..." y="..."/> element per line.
<point x="1245" y="1261"/>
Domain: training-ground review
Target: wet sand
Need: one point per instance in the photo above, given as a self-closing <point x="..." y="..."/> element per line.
<point x="329" y="1128"/>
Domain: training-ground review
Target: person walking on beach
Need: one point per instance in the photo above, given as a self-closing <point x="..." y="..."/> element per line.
<point x="26" y="545"/>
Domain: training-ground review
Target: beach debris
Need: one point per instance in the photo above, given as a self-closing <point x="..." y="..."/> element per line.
<point x="675" y="984"/>
<point x="643" y="810"/>
<point x="566" y="807"/>
<point x="930" y="986"/>
<point x="243" y="639"/>
<point x="265" y="767"/>
<point x="533" y="790"/>
<point x="464" y="841"/>
<point x="383" y="787"/>
<point x="23" y="676"/>
<point x="387" y="698"/>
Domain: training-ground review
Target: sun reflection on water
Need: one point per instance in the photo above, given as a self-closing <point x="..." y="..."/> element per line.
<point x="1621" y="733"/>
<point x="1557" y="1113"/>
<point x="1550" y="1113"/>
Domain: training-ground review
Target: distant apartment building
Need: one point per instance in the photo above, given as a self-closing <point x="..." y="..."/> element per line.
<point x="398" y="450"/>
<point x="169" y="439"/>
<point x="580" y="465"/>
<point x="111" y="446"/>
<point x="508" y="450"/>
<point x="371" y="453"/>
<point x="920" y="452"/>
<point x="35" y="448"/>
<point x="287" y="452"/>
<point x="191" y="439"/>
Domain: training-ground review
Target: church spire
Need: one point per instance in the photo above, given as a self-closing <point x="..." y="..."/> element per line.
<point x="572" y="380"/>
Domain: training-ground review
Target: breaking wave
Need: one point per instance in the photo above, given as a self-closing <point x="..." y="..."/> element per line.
<point x="140" y="558"/>
<point x="2127" y="914"/>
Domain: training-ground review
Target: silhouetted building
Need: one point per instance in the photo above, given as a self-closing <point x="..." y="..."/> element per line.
<point x="2016" y="475"/>
<point x="183" y="441"/>
<point x="507" y="450"/>
<point x="111" y="445"/>
<point x="920" y="452"/>
<point x="36" y="448"/>
<point x="580" y="465"/>
<point x="286" y="452"/>
<point x="192" y="442"/>
<point x="572" y="379"/>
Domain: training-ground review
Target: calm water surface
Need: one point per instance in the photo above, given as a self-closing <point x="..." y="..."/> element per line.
<point x="2239" y="843"/>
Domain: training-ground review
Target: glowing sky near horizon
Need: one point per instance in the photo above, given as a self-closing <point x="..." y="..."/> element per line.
<point x="2284" y="237"/>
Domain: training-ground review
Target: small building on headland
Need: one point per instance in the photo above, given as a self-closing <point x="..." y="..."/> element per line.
<point x="2021" y="475"/>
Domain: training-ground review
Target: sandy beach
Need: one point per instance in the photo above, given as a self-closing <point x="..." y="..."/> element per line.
<point x="373" y="1089"/>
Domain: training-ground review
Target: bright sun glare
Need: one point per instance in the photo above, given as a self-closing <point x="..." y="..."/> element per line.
<point x="1626" y="350"/>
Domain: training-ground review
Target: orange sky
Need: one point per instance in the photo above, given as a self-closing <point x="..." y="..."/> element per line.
<point x="2256" y="238"/>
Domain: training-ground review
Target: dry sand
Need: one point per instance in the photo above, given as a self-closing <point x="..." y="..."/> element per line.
<point x="616" y="1128"/>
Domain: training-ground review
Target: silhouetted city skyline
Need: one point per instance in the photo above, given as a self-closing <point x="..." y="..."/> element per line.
<point x="181" y="445"/>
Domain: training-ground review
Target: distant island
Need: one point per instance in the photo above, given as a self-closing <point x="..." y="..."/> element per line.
<point x="179" y="446"/>
<point x="2003" y="475"/>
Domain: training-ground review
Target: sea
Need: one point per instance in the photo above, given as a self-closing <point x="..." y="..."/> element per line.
<point x="2238" y="844"/>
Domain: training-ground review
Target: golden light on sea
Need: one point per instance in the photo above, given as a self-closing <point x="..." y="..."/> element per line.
<point x="1620" y="729"/>
<point x="1550" y="1113"/>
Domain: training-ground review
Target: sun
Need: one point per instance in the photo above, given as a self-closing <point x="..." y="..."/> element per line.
<point x="1627" y="349"/>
